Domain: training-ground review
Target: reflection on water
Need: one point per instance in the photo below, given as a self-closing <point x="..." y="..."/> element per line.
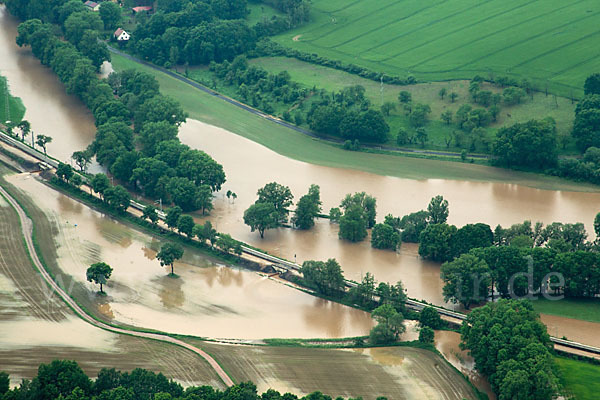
<point x="249" y="166"/>
<point x="206" y="299"/>
<point x="49" y="109"/>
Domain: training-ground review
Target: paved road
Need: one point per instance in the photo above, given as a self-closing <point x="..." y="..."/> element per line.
<point x="26" y="228"/>
<point x="277" y="120"/>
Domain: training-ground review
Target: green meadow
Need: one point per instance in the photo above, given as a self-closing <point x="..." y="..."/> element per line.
<point x="581" y="380"/>
<point x="551" y="42"/>
<point x="539" y="105"/>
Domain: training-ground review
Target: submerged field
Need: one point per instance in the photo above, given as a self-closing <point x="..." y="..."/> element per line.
<point x="37" y="327"/>
<point x="394" y="372"/>
<point x="546" y="41"/>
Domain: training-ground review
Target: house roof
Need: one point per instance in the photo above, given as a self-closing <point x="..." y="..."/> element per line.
<point x="118" y="32"/>
<point x="142" y="8"/>
<point x="91" y="4"/>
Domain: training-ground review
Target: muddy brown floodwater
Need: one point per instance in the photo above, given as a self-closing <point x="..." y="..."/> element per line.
<point x="249" y="166"/>
<point x="447" y="343"/>
<point x="49" y="109"/>
<point x="206" y="299"/>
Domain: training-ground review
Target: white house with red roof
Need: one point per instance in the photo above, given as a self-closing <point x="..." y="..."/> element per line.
<point x="121" y="35"/>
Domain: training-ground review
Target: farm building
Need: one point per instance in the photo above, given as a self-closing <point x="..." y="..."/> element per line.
<point x="92" y="5"/>
<point x="121" y="35"/>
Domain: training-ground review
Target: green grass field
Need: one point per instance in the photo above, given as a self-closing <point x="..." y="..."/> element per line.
<point x="579" y="379"/>
<point x="551" y="42"/>
<point x="260" y="12"/>
<point x="540" y="106"/>
<point x="583" y="309"/>
<point x="289" y="143"/>
<point x="11" y="108"/>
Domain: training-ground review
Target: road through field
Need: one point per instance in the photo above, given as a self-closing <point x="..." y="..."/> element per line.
<point x="27" y="230"/>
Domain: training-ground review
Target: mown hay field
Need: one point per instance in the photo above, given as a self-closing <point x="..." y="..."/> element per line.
<point x="551" y="42"/>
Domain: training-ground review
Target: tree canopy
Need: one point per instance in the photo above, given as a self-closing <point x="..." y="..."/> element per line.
<point x="99" y="273"/>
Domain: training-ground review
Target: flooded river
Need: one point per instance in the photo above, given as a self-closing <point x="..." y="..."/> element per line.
<point x="249" y="166"/>
<point x="49" y="110"/>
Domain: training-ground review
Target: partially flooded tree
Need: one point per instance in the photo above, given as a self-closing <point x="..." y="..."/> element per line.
<point x="99" y="273"/>
<point x="168" y="254"/>
<point x="42" y="141"/>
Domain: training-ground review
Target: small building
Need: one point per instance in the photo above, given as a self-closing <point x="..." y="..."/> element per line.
<point x="142" y="8"/>
<point x="92" y="5"/>
<point x="121" y="35"/>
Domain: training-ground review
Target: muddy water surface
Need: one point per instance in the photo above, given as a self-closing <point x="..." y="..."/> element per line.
<point x="49" y="110"/>
<point x="206" y="299"/>
<point x="447" y="343"/>
<point x="249" y="166"/>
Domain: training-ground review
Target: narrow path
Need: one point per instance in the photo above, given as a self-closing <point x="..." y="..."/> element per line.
<point x="27" y="230"/>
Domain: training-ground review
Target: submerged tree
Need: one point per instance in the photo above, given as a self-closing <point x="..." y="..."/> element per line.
<point x="99" y="273"/>
<point x="168" y="254"/>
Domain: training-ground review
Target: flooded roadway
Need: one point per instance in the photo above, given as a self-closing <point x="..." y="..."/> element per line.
<point x="249" y="166"/>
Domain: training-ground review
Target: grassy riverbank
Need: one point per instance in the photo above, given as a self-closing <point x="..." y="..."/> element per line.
<point x="583" y="309"/>
<point x="579" y="378"/>
<point x="289" y="143"/>
<point x="11" y="108"/>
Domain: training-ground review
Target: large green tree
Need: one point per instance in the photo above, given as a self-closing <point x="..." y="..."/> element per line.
<point x="168" y="254"/>
<point x="385" y="236"/>
<point x="326" y="277"/>
<point x="531" y="144"/>
<point x="511" y="347"/>
<point x="279" y="196"/>
<point x="438" y="210"/>
<point x="99" y="273"/>
<point x="110" y="13"/>
<point x="308" y="208"/>
<point x="261" y="216"/>
<point x="435" y="242"/>
<point x="466" y="280"/>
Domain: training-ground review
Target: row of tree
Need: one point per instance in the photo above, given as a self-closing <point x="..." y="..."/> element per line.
<point x="64" y="379"/>
<point x="271" y="209"/>
<point x="164" y="168"/>
<point x="347" y="113"/>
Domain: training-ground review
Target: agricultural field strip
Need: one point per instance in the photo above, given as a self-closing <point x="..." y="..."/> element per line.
<point x="432" y="25"/>
<point x="325" y="16"/>
<point x="524" y="40"/>
<point x="578" y="64"/>
<point x="481" y="38"/>
<point x="458" y="58"/>
<point x="10" y="269"/>
<point x="360" y="35"/>
<point x="26" y="230"/>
